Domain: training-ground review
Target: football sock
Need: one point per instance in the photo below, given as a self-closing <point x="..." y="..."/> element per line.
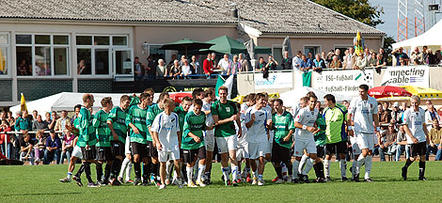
<point x="343" y="167"/>
<point x="80" y="170"/>
<point x="107" y="171"/>
<point x="99" y="168"/>
<point x="225" y="173"/>
<point x="327" y="168"/>
<point x="137" y="168"/>
<point x="361" y="160"/>
<point x="146" y="171"/>
<point x="289" y="168"/>
<point x="301" y="163"/>
<point x="368" y="163"/>
<point x="308" y="166"/>
<point x="295" y="169"/>
<point x="189" y="171"/>
<point x="320" y="169"/>
<point x="128" y="170"/>
<point x="69" y="176"/>
<point x="156" y="169"/>
<point x="125" y="163"/>
<point x="201" y="169"/>
<point x="87" y="170"/>
<point x="235" y="173"/>
<point x="353" y="167"/>
<point x="421" y="169"/>
<point x="408" y="163"/>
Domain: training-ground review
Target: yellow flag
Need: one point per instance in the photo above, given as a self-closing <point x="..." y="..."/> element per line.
<point x="23" y="103"/>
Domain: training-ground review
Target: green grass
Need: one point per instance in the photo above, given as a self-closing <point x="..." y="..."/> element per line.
<point x="40" y="183"/>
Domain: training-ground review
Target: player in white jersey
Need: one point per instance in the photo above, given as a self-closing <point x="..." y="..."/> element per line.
<point x="257" y="121"/>
<point x="417" y="136"/>
<point x="242" y="153"/>
<point x="304" y="136"/>
<point x="167" y="138"/>
<point x="364" y="124"/>
<point x="209" y="136"/>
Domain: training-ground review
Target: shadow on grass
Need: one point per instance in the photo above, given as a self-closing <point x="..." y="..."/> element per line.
<point x="42" y="193"/>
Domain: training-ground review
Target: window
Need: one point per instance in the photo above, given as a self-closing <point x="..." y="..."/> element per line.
<point x="42" y="55"/>
<point x="312" y="49"/>
<point x="4" y="56"/>
<point x="94" y="53"/>
<point x="277" y="54"/>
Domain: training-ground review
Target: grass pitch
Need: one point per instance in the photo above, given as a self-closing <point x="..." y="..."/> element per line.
<point x="40" y="184"/>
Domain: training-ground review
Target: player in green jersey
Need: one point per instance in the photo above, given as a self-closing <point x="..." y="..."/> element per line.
<point x="103" y="133"/>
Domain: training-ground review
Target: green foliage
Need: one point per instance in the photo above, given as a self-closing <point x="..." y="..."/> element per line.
<point x="40" y="184"/>
<point x="359" y="10"/>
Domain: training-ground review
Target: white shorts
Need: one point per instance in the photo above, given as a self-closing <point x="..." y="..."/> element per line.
<point x="257" y="150"/>
<point x="164" y="156"/>
<point x="307" y="144"/>
<point x="77" y="152"/>
<point x="226" y="144"/>
<point x="365" y="141"/>
<point x="209" y="140"/>
<point x="127" y="146"/>
<point x="242" y="152"/>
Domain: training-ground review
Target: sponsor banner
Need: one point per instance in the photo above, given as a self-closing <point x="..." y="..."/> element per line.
<point x="407" y="76"/>
<point x="275" y="81"/>
<point x="345" y="83"/>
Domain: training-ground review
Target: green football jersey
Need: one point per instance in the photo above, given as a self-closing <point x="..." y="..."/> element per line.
<point x="320" y="137"/>
<point x="137" y="116"/>
<point x="181" y="115"/>
<point x="224" y="111"/>
<point x="118" y="118"/>
<point x="283" y="124"/>
<point x="335" y="119"/>
<point x="86" y="130"/>
<point x="153" y="111"/>
<point x="195" y="124"/>
<point x="134" y="100"/>
<point x="102" y="130"/>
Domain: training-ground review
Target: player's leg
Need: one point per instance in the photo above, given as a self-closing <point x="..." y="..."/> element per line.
<point x="362" y="141"/>
<point x="190" y="159"/>
<point x="342" y="151"/>
<point x="276" y="161"/>
<point x="163" y="175"/>
<point x="209" y="142"/>
<point x="147" y="167"/>
<point x="232" y="144"/>
<point x="76" y="154"/>
<point x="175" y="156"/>
<point x="422" y="158"/>
<point x="155" y="164"/>
<point x="369" y="157"/>
<point x="136" y="162"/>
<point x="261" y="166"/>
<point x="201" y="166"/>
<point x="410" y="160"/>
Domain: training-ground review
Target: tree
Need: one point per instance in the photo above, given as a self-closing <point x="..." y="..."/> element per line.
<point x="359" y="10"/>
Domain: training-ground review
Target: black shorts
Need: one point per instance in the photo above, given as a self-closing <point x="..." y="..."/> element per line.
<point x="151" y="150"/>
<point x="336" y="148"/>
<point x="320" y="151"/>
<point x="104" y="154"/>
<point x="117" y="148"/>
<point x="419" y="149"/>
<point x="190" y="155"/>
<point x="280" y="153"/>
<point x="140" y="149"/>
<point x="89" y="154"/>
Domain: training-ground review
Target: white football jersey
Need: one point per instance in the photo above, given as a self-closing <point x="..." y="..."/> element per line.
<point x="242" y="118"/>
<point x="415" y="121"/>
<point x="307" y="118"/>
<point x="362" y="114"/>
<point x="167" y="127"/>
<point x="206" y="107"/>
<point x="257" y="133"/>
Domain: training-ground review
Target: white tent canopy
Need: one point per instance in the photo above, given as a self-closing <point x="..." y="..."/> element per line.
<point x="431" y="38"/>
<point x="67" y="101"/>
<point x="291" y="98"/>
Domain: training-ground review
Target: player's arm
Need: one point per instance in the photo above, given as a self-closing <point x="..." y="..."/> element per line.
<point x="427" y="134"/>
<point x="408" y="131"/>
<point x="130" y="124"/>
<point x="250" y="119"/>
<point x="110" y="124"/>
<point x="154" y="134"/>
<point x="238" y="123"/>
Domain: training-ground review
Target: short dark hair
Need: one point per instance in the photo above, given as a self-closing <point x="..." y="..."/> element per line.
<point x="310" y="93"/>
<point x="197" y="91"/>
<point x="162" y="96"/>
<point x="105" y="101"/>
<point x="208" y="92"/>
<point x="279" y="101"/>
<point x="330" y="97"/>
<point x="363" y="87"/>
<point x="186" y="98"/>
<point x="78" y="106"/>
<point x="223" y="88"/>
<point x="124" y="98"/>
<point x="312" y="96"/>
<point x="144" y="96"/>
<point x="149" y="90"/>
<point x="260" y="96"/>
<point x="198" y="102"/>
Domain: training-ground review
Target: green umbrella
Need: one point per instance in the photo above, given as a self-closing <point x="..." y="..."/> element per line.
<point x="263" y="50"/>
<point x="186" y="45"/>
<point x="227" y="45"/>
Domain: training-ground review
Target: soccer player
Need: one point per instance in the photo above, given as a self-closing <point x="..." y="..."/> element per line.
<point x="87" y="138"/>
<point x="304" y="137"/>
<point x="181" y="111"/>
<point x="257" y="121"/>
<point x="167" y="137"/>
<point x="209" y="138"/>
<point x="284" y="128"/>
<point x="224" y="113"/>
<point x="242" y="153"/>
<point x="363" y="114"/>
<point x="116" y="122"/>
<point x="193" y="143"/>
<point x="154" y="110"/>
<point x="136" y="120"/>
<point x="335" y="117"/>
<point x="103" y="133"/>
<point x="417" y="136"/>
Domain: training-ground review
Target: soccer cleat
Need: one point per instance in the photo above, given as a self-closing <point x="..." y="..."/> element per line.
<point x="295" y="180"/>
<point x="120" y="179"/>
<point x="227" y="182"/>
<point x="65" y="180"/>
<point x="328" y="179"/>
<point x="78" y="181"/>
<point x="162" y="186"/>
<point x="422" y="178"/>
<point x="92" y="185"/>
<point x="129" y="181"/>
<point x="255" y="181"/>
<point x="115" y="182"/>
<point x="275" y="179"/>
<point x="343" y="179"/>
<point x="404" y="173"/>
<point x="279" y="181"/>
<point x="145" y="182"/>
<point x="235" y="183"/>
<point x="248" y="179"/>
<point x="368" y="180"/>
<point x="356" y="178"/>
<point x="320" y="180"/>
<point x="191" y="184"/>
<point x="260" y="182"/>
<point x="137" y="181"/>
<point x="305" y="179"/>
<point x="179" y="183"/>
<point x="200" y="183"/>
